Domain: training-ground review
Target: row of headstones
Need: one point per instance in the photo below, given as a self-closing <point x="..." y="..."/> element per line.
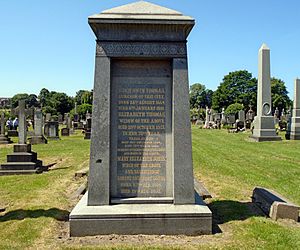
<point x="242" y="119"/>
<point x="23" y="160"/>
<point x="218" y="119"/>
<point x="47" y="126"/>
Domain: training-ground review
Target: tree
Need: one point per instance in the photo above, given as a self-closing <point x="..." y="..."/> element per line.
<point x="32" y="100"/>
<point x="16" y="98"/>
<point x="43" y="96"/>
<point x="60" y="102"/>
<point x="84" y="96"/>
<point x="82" y="110"/>
<point x="87" y="97"/>
<point x="200" y="96"/>
<point x="280" y="98"/>
<point x="237" y="87"/>
<point x="234" y="108"/>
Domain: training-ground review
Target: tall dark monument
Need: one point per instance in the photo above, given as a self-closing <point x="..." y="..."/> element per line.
<point x="141" y="172"/>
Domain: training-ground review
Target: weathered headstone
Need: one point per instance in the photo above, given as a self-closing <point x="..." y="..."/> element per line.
<point x="293" y="131"/>
<point x="223" y="118"/>
<point x="48" y="117"/>
<point x="60" y="118"/>
<point x="231" y="119"/>
<point x="23" y="160"/>
<point x="4" y="139"/>
<point x="51" y="130"/>
<point x="276" y="113"/>
<point x="264" y="127"/>
<point x="207" y="117"/>
<point x="141" y="173"/>
<point x="88" y="127"/>
<point x="38" y="137"/>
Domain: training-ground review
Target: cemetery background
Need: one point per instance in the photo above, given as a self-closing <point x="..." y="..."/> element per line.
<point x="227" y="174"/>
<point x="37" y="206"/>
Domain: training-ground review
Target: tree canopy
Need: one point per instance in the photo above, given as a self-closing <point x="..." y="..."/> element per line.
<point x="200" y="97"/>
<point x="236" y="87"/>
<point x="280" y="98"/>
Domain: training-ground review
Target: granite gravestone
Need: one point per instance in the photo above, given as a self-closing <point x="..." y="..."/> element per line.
<point x="48" y="117"/>
<point x="38" y="137"/>
<point x="23" y="160"/>
<point x="88" y="127"/>
<point x="293" y="131"/>
<point x="51" y="130"/>
<point x="264" y="126"/>
<point x="67" y="131"/>
<point x="4" y="139"/>
<point x="141" y="172"/>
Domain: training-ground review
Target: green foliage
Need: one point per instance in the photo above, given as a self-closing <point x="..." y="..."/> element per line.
<point x="234" y="108"/>
<point x="16" y="98"/>
<point x="84" y="97"/>
<point x="55" y="102"/>
<point x="44" y="96"/>
<point x="200" y="96"/>
<point x="237" y="87"/>
<point x="194" y="113"/>
<point x="82" y="110"/>
<point x="280" y="96"/>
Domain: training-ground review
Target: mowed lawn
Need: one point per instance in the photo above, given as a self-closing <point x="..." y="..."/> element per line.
<point x="230" y="166"/>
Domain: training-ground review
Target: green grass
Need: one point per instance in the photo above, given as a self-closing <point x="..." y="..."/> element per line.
<point x="229" y="165"/>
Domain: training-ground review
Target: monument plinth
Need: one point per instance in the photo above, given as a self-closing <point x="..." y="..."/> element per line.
<point x="141" y="172"/>
<point x="38" y="137"/>
<point x="264" y="124"/>
<point x="4" y="139"/>
<point x="293" y="131"/>
<point x="22" y="160"/>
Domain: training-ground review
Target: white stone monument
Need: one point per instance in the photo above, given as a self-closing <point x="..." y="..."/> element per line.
<point x="264" y="125"/>
<point x="293" y="131"/>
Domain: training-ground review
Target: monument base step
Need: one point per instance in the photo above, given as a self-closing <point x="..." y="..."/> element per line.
<point x="265" y="138"/>
<point x="19" y="166"/>
<point x="20" y="172"/>
<point x="22" y="157"/>
<point x="5" y="140"/>
<point x="130" y="219"/>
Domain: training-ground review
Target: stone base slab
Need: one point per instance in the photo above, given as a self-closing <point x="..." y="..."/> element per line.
<point x="129" y="219"/>
<point x="54" y="138"/>
<point x="20" y="172"/>
<point x="5" y="139"/>
<point x="18" y="148"/>
<point x="12" y="133"/>
<point x="38" y="140"/>
<point x="265" y="138"/>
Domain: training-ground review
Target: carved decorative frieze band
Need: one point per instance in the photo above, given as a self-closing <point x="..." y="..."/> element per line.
<point x="125" y="49"/>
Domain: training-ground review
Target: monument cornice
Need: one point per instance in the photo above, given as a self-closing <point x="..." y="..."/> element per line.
<point x="141" y="49"/>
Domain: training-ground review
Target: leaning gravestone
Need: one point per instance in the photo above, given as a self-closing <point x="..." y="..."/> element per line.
<point x="141" y="171"/>
<point x="23" y="160"/>
<point x="293" y="131"/>
<point x="38" y="137"/>
<point x="264" y="125"/>
<point x="4" y="139"/>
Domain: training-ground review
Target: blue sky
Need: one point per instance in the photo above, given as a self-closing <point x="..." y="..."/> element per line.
<point x="49" y="43"/>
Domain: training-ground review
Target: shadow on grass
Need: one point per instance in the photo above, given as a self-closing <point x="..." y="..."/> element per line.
<point x="21" y="214"/>
<point x="227" y="210"/>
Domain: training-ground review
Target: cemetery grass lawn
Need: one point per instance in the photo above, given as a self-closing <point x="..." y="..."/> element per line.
<point x="37" y="206"/>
